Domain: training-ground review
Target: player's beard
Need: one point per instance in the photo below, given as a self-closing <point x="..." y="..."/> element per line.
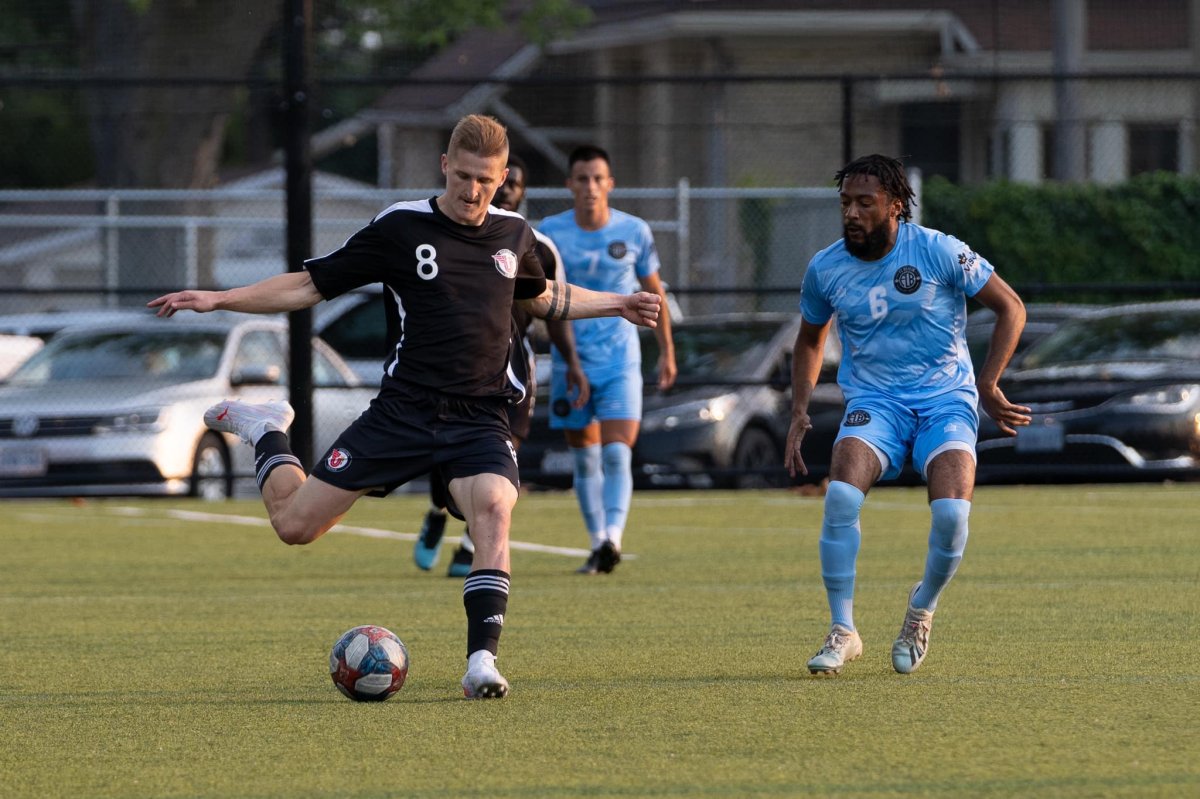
<point x="872" y="247"/>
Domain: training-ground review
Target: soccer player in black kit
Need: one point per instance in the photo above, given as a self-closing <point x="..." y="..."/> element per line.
<point x="509" y="197"/>
<point x="454" y="267"/>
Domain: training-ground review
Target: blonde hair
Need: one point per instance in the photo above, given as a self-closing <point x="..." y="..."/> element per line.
<point x="479" y="135"/>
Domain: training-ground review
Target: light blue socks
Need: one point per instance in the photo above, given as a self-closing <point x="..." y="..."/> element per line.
<point x="840" y="538"/>
<point x="947" y="540"/>
<point x="618" y="489"/>
<point x="589" y="490"/>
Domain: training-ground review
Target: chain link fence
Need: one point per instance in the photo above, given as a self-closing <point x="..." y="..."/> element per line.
<point x="140" y="154"/>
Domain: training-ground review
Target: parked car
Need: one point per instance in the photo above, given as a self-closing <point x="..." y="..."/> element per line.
<point x="724" y="423"/>
<point x="1115" y="394"/>
<point x="354" y="325"/>
<point x="1041" y="319"/>
<point x="15" y="350"/>
<point x="116" y="407"/>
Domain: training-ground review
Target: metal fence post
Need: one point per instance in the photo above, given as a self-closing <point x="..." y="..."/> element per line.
<point x="112" y="211"/>
<point x="683" y="213"/>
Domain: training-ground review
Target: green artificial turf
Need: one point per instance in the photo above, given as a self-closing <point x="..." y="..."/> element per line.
<point x="148" y="649"/>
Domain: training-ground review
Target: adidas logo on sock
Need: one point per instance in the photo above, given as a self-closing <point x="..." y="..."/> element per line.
<point x="497" y="619"/>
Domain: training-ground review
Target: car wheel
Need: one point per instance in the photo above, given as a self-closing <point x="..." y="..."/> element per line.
<point x="212" y="476"/>
<point x="755" y="459"/>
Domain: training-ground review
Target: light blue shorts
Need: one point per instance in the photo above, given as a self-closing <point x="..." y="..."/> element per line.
<point x="894" y="429"/>
<point x="616" y="394"/>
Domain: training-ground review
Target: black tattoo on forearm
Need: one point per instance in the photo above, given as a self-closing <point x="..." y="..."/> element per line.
<point x="560" y="301"/>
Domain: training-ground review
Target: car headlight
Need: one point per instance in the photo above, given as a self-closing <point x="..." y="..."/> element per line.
<point x="1164" y="399"/>
<point x="143" y="420"/>
<point x="689" y="413"/>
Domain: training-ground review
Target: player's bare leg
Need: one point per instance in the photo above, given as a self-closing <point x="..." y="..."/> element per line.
<point x="303" y="509"/>
<point x="486" y="500"/>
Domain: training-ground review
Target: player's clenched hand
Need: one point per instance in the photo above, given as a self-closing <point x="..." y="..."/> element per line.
<point x="792" y="458"/>
<point x="190" y="300"/>
<point x="1005" y="414"/>
<point x="642" y="308"/>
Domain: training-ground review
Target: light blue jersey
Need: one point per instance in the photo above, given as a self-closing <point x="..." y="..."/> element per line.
<point x="901" y="319"/>
<point x="609" y="259"/>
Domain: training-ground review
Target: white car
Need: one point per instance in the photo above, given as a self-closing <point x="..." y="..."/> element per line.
<point x="116" y="408"/>
<point x="15" y="350"/>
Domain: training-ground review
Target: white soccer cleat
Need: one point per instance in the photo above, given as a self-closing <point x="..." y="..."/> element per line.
<point x="482" y="680"/>
<point x="913" y="642"/>
<point x="841" y="646"/>
<point x="249" y="421"/>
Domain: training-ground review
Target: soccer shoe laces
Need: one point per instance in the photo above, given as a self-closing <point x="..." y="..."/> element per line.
<point x="915" y="630"/>
<point x="835" y="641"/>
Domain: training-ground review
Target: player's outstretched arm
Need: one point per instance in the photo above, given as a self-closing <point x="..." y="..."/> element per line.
<point x="567" y="301"/>
<point x="276" y="294"/>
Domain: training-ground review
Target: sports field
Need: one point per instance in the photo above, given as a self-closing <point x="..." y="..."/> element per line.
<point x="176" y="649"/>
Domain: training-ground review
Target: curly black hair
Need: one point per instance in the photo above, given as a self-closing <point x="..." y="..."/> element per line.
<point x="891" y="175"/>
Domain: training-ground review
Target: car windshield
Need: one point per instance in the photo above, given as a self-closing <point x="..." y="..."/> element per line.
<point x="1170" y="336"/>
<point x="720" y="352"/>
<point x="172" y="356"/>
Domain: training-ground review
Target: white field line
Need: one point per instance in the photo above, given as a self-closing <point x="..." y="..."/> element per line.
<point x="346" y="529"/>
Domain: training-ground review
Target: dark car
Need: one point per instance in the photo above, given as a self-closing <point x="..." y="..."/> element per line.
<point x="1115" y="394"/>
<point x="724" y="423"/>
<point x="1041" y="319"/>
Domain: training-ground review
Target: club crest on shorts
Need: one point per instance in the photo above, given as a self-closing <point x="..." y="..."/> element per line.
<point x="857" y="418"/>
<point x="907" y="279"/>
<point x="506" y="263"/>
<point x="337" y="460"/>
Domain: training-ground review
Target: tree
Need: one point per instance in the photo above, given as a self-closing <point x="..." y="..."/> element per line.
<point x="163" y="133"/>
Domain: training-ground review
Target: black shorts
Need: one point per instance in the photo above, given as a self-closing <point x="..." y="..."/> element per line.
<point x="409" y="431"/>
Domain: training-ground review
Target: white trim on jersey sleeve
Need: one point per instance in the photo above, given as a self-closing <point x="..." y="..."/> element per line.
<point x="495" y="209"/>
<point x="560" y="269"/>
<point x="420" y="206"/>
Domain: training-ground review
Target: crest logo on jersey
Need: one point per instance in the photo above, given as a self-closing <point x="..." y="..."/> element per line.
<point x="506" y="263"/>
<point x="857" y="418"/>
<point x="338" y="460"/>
<point x="967" y="260"/>
<point x="907" y="279"/>
<point x="617" y="249"/>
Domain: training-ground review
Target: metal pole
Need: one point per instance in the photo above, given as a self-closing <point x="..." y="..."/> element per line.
<point x="297" y="46"/>
<point x="847" y="120"/>
<point x="1070" y="134"/>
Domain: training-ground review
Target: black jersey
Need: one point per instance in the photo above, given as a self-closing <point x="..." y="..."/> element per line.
<point x="449" y="291"/>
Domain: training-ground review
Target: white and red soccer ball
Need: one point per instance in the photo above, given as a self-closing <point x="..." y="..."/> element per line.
<point x="368" y="663"/>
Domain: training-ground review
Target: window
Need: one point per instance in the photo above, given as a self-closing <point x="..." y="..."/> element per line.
<point x="929" y="137"/>
<point x="360" y="332"/>
<point x="1153" y="147"/>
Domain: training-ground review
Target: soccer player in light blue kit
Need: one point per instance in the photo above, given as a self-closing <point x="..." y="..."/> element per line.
<point x="601" y="246"/>
<point x="899" y="294"/>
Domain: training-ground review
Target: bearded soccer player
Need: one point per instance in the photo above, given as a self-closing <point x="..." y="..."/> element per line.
<point x="899" y="293"/>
